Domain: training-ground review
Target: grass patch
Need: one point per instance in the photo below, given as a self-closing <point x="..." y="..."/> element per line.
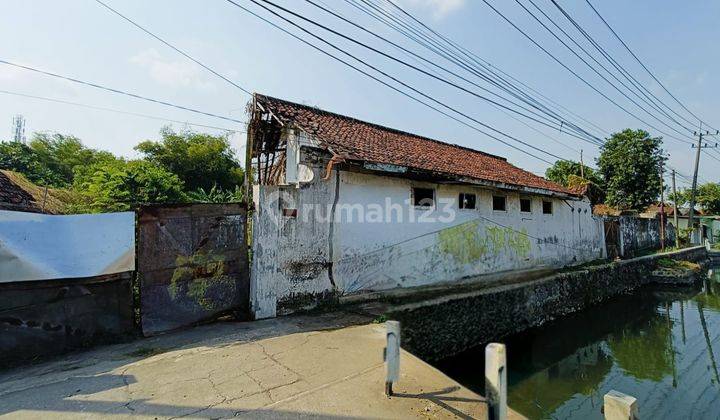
<point x="670" y="263"/>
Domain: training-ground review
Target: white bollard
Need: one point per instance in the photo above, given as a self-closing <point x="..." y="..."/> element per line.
<point x="618" y="406"/>
<point x="392" y="355"/>
<point x="496" y="381"/>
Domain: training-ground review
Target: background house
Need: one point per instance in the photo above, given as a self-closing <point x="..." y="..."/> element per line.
<point x="17" y="193"/>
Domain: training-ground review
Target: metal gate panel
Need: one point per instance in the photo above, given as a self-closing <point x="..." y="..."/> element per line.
<point x="612" y="238"/>
<point x="192" y="264"/>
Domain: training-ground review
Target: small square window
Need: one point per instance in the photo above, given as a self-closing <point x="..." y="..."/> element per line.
<point x="525" y="205"/>
<point x="467" y="201"/>
<point x="499" y="202"/>
<point x="547" y="207"/>
<point x="423" y="197"/>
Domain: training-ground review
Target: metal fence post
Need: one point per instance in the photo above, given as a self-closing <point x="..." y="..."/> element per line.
<point x="392" y="355"/>
<point x="618" y="406"/>
<point x="496" y="381"/>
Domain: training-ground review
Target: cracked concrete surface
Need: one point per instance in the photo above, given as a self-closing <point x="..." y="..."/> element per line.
<point x="323" y="366"/>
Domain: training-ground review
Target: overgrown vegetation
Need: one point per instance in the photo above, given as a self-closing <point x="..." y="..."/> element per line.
<point x="180" y="167"/>
<point x="677" y="264"/>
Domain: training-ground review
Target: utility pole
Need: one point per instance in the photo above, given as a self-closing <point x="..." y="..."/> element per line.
<point x="700" y="146"/>
<point x="662" y="209"/>
<point x="582" y="166"/>
<point x="675" y="212"/>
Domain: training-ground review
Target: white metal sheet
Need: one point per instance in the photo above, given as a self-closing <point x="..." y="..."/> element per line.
<point x="43" y="247"/>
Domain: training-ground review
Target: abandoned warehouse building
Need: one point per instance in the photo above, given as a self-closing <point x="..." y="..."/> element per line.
<point x="344" y="206"/>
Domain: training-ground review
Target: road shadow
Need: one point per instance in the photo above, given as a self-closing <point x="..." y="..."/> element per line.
<point x="442" y="397"/>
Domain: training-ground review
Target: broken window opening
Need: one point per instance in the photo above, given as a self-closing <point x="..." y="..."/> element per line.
<point x="423" y="197"/>
<point x="525" y="205"/>
<point x="467" y="201"/>
<point x="499" y="203"/>
<point x="547" y="207"/>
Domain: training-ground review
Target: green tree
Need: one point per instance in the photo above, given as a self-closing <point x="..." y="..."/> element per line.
<point x="708" y="197"/>
<point x="681" y="197"/>
<point x="201" y="161"/>
<point x="63" y="153"/>
<point x="18" y="157"/>
<point x="630" y="164"/>
<point x="562" y="170"/>
<point x="115" y="185"/>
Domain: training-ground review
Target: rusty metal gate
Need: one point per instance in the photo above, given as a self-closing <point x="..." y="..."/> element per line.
<point x="612" y="238"/>
<point x="192" y="264"/>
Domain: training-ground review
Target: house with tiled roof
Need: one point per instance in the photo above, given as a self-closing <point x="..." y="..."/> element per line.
<point x="345" y="206"/>
<point x="17" y="193"/>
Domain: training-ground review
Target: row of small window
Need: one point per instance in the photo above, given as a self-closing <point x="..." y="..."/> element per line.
<point x="425" y="197"/>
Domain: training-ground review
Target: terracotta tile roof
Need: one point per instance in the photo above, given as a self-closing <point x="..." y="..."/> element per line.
<point x="14" y="197"/>
<point x="359" y="140"/>
<point x="19" y="194"/>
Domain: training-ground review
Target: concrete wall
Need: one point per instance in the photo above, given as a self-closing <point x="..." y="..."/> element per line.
<point x="357" y="232"/>
<point x="639" y="234"/>
<point x="448" y="325"/>
<point x="192" y="264"/>
<point x="45" y="318"/>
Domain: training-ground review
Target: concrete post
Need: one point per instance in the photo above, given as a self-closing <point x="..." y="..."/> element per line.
<point x="392" y="355"/>
<point x="618" y="406"/>
<point x="496" y="381"/>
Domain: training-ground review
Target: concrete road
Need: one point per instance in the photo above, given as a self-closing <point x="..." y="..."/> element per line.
<point x="322" y="366"/>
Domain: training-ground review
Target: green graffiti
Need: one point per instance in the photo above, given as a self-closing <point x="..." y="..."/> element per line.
<point x="200" y="280"/>
<point x="519" y="241"/>
<point x="466" y="244"/>
<point x="463" y="242"/>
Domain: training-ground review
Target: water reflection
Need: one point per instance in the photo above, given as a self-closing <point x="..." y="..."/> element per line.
<point x="657" y="345"/>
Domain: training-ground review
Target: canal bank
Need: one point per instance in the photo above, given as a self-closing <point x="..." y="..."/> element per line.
<point x="446" y="322"/>
<point x="658" y="344"/>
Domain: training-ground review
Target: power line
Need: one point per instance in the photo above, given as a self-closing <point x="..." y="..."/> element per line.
<point x="428" y="97"/>
<point x="642" y="96"/>
<point x="388" y="56"/>
<point x="525" y="34"/>
<point x="453" y="44"/>
<point x="120" y="92"/>
<point x="186" y="55"/>
<point x="591" y="68"/>
<point x="479" y="65"/>
<point x="481" y="70"/>
<point x="644" y="90"/>
<point x="99" y="108"/>
<point x="425" y="60"/>
<point x="643" y="64"/>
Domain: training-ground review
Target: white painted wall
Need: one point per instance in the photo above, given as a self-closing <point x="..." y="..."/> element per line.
<point x="291" y="256"/>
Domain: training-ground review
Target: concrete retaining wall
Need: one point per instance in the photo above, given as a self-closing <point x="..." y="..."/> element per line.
<point x="448" y="325"/>
<point x="46" y="318"/>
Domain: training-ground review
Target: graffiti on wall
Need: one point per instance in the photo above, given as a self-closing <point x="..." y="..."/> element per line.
<point x="192" y="264"/>
<point x="472" y="241"/>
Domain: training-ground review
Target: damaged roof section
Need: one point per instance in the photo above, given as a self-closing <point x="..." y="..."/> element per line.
<point x="357" y="140"/>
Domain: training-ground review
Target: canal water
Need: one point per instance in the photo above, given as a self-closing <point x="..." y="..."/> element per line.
<point x="659" y="345"/>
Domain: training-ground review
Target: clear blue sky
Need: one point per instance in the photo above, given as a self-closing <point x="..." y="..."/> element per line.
<point x="79" y="38"/>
